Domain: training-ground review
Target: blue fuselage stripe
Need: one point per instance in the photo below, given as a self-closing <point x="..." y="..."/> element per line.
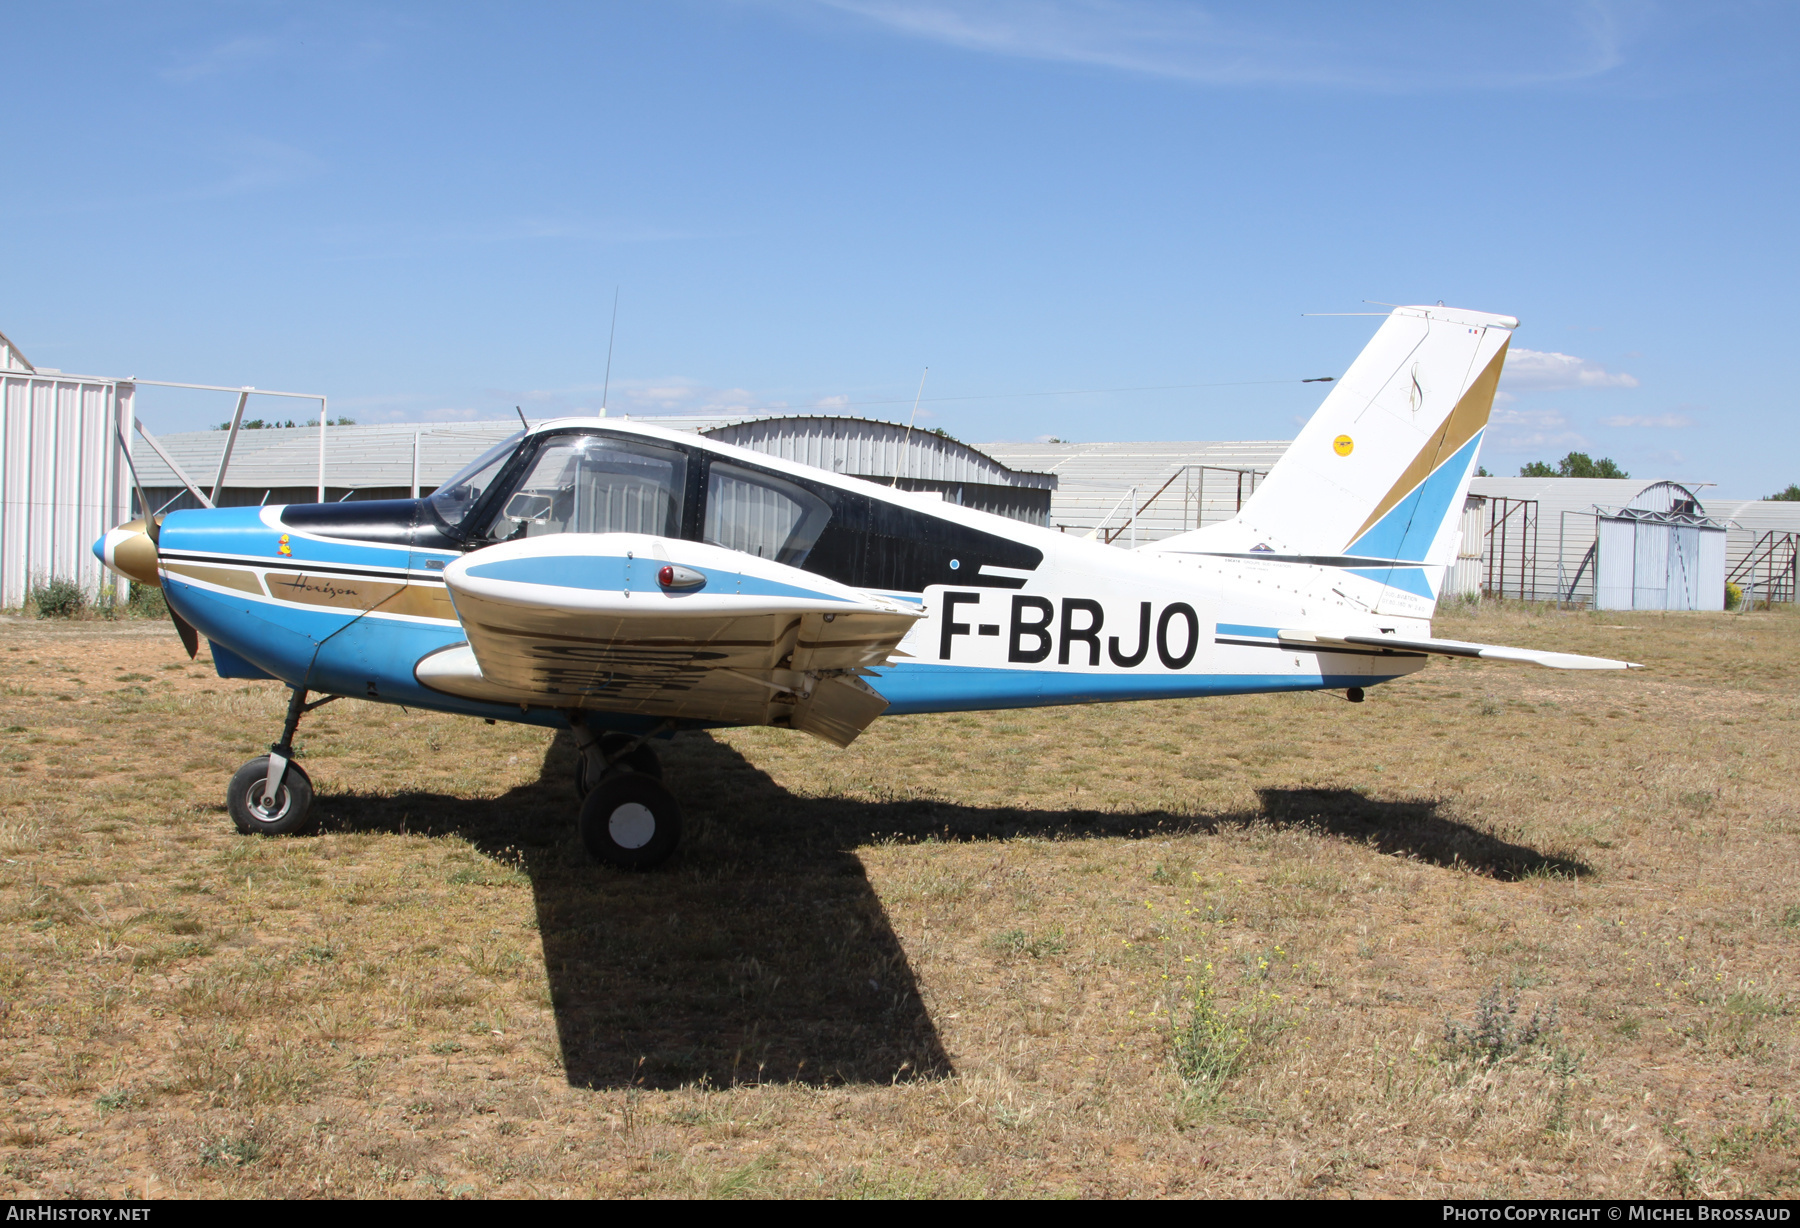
<point x="1244" y="629"/>
<point x="912" y="688"/>
<point x="598" y="572"/>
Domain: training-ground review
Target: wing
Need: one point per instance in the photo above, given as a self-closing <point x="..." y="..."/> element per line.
<point x="622" y="622"/>
<point x="1317" y="640"/>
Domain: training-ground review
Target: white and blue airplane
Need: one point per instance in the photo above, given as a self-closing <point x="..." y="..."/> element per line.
<point x="623" y="581"/>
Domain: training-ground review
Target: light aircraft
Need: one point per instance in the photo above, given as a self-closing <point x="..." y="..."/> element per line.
<point x="623" y="581"/>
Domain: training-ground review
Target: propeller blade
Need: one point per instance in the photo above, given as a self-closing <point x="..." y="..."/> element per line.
<point x="190" y="638"/>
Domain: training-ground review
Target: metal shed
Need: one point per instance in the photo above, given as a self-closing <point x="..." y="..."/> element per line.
<point x="1659" y="552"/>
<point x="62" y="483"/>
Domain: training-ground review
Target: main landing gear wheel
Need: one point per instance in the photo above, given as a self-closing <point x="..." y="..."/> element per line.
<point x="630" y="821"/>
<point x="291" y="810"/>
<point x="642" y="760"/>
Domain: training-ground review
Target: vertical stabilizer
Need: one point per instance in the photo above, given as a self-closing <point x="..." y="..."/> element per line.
<point x="1375" y="482"/>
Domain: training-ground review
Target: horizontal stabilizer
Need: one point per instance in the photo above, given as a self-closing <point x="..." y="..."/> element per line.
<point x="1317" y="641"/>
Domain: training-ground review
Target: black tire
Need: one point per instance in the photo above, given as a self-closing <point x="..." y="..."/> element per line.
<point x="630" y="821"/>
<point x="292" y="812"/>
<point x="643" y="761"/>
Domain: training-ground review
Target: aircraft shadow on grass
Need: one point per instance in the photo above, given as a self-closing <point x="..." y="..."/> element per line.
<point x="762" y="953"/>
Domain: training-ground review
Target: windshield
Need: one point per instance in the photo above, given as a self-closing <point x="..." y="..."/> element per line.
<point x="455" y="499"/>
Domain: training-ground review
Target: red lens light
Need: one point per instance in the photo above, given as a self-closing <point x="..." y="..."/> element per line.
<point x="666" y="577"/>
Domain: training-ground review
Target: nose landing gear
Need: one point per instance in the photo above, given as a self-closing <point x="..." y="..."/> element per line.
<point x="272" y="795"/>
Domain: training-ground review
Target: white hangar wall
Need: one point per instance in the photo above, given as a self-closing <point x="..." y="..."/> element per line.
<point x="62" y="482"/>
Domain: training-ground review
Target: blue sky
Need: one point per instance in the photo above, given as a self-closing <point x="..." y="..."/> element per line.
<point x="424" y="210"/>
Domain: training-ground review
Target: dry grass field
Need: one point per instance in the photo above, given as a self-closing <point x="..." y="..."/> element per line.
<point x="1499" y="931"/>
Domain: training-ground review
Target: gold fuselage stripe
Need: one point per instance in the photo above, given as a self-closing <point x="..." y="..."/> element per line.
<point x="239" y="578"/>
<point x="334" y="590"/>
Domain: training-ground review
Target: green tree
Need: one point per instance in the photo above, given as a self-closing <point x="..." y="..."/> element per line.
<point x="1790" y="495"/>
<point x="1575" y="465"/>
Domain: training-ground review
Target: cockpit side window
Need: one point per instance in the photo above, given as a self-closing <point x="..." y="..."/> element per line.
<point x="761" y="514"/>
<point x="594" y="484"/>
<point x="851" y="537"/>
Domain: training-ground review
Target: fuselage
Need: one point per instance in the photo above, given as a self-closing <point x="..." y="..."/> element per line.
<point x="350" y="598"/>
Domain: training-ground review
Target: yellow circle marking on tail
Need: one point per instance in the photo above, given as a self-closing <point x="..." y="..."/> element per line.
<point x="1342" y="445"/>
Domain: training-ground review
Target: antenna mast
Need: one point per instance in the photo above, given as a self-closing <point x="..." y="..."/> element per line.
<point x="606" y="388"/>
<point x="907" y="442"/>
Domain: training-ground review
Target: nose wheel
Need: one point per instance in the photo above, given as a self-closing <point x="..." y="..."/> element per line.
<point x="272" y="795"/>
<point x="255" y="812"/>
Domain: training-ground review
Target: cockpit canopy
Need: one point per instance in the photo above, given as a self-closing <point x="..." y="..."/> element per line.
<point x="591" y="479"/>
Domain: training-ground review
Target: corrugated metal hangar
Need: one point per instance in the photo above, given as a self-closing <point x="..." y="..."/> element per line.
<point x="1150" y="490"/>
<point x="390" y="462"/>
<point x="1531" y="538"/>
<point x="62" y="484"/>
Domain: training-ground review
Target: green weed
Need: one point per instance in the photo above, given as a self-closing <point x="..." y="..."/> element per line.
<point x="1496" y="1034"/>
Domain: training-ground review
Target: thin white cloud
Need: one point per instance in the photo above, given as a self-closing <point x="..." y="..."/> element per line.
<point x="222" y="57"/>
<point x="1551" y="371"/>
<point x="357" y="243"/>
<point x="462" y="414"/>
<point x="1404" y="48"/>
<point x="1518" y="430"/>
<point x="347" y="41"/>
<point x="1537" y="419"/>
<point x="1656" y="420"/>
<point x="679" y="395"/>
<point x="234" y="166"/>
<point x="255" y="164"/>
<point x="1540" y="440"/>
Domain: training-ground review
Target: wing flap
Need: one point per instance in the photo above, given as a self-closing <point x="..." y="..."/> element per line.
<point x="1323" y="641"/>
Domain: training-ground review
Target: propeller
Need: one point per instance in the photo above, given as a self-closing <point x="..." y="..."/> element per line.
<point x="150" y="567"/>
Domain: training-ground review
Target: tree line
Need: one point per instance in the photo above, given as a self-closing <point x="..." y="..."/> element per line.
<point x="1581" y="465"/>
<point x="257" y="424"/>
